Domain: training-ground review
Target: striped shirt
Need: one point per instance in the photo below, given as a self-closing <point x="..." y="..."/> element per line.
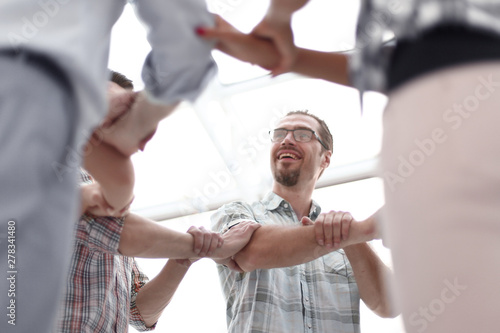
<point x="318" y="296"/>
<point x="102" y="284"/>
<point x="407" y="19"/>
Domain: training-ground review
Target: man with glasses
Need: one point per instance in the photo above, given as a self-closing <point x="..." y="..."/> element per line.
<point x="292" y="276"/>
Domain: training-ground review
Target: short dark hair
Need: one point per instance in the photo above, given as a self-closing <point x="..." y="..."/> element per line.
<point x="324" y="131"/>
<point x="121" y="80"/>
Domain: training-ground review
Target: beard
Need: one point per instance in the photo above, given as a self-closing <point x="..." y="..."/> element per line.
<point x="287" y="178"/>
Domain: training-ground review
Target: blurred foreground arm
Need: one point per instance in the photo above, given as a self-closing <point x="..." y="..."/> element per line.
<point x="263" y="52"/>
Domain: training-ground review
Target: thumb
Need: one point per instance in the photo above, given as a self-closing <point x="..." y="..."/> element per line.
<point x="250" y="228"/>
<point x="307" y="221"/>
<point x="254" y="226"/>
<point x="233" y="265"/>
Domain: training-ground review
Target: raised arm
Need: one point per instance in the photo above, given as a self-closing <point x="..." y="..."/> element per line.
<point x="113" y="171"/>
<point x="136" y="127"/>
<point x="179" y="65"/>
<point x="283" y="9"/>
<point x="329" y="66"/>
<point x="263" y="52"/>
<point x="276" y="26"/>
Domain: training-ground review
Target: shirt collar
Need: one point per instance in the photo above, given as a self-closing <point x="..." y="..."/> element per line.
<point x="272" y="201"/>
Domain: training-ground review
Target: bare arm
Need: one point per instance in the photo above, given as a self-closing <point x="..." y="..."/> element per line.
<point x="107" y="154"/>
<point x="156" y="294"/>
<point x="283" y="9"/>
<point x="329" y="66"/>
<point x="263" y="52"/>
<point x="113" y="171"/>
<point x="142" y="237"/>
<point x="136" y="127"/>
<point x="154" y="297"/>
<point x="278" y="246"/>
<point x="276" y="26"/>
<point x="371" y="276"/>
<point x="93" y="202"/>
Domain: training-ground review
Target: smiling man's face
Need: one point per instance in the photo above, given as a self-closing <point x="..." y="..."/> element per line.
<point x="293" y="162"/>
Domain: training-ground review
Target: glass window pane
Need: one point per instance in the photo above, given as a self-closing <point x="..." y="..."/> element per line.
<point x="180" y="164"/>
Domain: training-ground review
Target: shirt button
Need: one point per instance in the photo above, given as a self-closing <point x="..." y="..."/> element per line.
<point x="285" y="205"/>
<point x="307" y="299"/>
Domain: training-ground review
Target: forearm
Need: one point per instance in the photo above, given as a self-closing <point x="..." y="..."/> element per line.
<point x="328" y="66"/>
<point x="135" y="128"/>
<point x="84" y="205"/>
<point x="145" y="238"/>
<point x="113" y="171"/>
<point x="371" y="276"/>
<point x="283" y="9"/>
<point x="278" y="246"/>
<point x="248" y="48"/>
<point x="157" y="293"/>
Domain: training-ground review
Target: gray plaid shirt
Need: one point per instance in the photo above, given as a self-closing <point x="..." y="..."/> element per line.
<point x="406" y="19"/>
<point x="318" y="296"/>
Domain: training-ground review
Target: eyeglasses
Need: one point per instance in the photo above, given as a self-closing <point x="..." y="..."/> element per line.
<point x="300" y="135"/>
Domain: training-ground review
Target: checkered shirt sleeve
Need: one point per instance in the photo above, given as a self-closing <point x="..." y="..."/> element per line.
<point x="139" y="280"/>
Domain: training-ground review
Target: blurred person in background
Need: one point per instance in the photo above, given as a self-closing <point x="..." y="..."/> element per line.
<point x="53" y="59"/>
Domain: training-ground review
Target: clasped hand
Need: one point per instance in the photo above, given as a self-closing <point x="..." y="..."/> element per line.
<point x="221" y="248"/>
<point x="93" y="202"/>
<point x="330" y="228"/>
<point x="132" y="119"/>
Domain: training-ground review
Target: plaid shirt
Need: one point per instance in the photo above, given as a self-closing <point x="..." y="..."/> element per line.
<point x="318" y="296"/>
<point x="407" y="19"/>
<point x="102" y="284"/>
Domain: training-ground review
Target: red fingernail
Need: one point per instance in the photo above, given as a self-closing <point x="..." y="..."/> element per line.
<point x="201" y="31"/>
